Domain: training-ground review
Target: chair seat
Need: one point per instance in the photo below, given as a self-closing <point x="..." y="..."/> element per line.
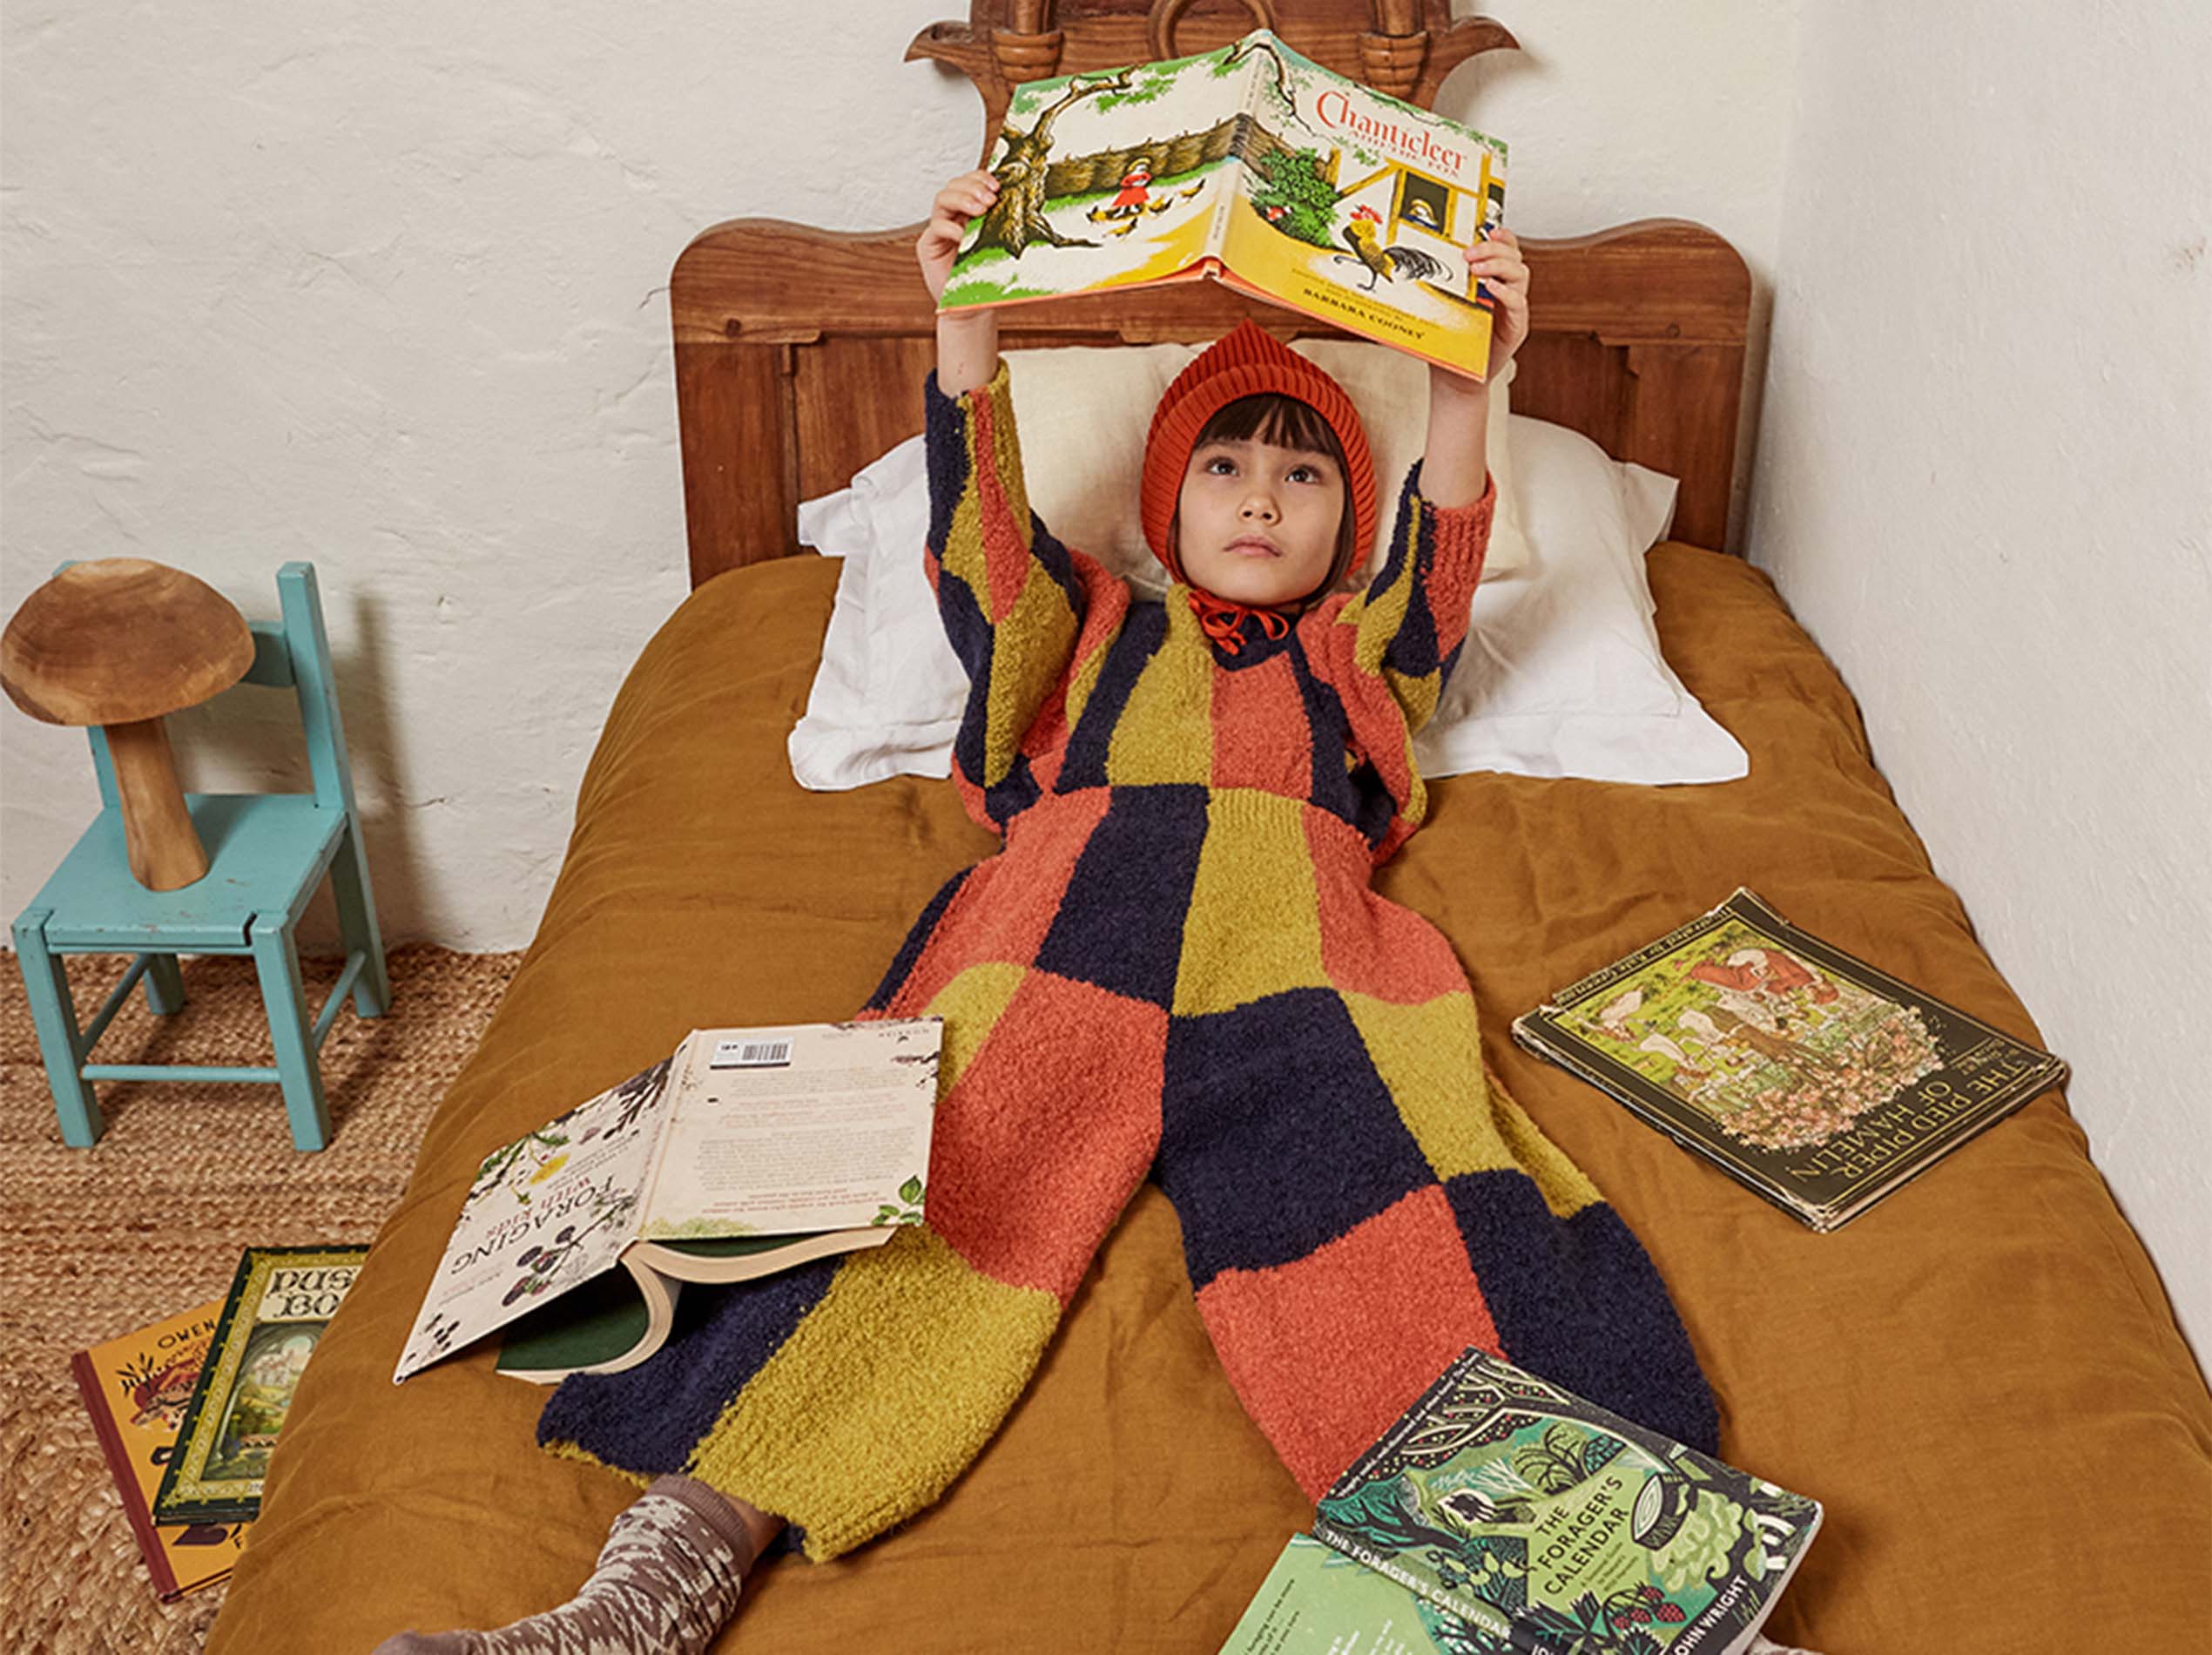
<point x="265" y="852"/>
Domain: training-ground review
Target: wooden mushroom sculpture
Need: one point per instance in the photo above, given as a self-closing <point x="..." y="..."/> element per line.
<point x="123" y="643"/>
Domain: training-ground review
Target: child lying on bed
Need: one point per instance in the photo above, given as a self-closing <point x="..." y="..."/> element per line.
<point x="1176" y="967"/>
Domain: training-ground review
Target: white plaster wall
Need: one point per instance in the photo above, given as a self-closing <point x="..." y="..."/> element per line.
<point x="383" y="286"/>
<point x="1984" y="484"/>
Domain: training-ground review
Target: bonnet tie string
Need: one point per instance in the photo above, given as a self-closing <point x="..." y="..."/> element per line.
<point x="1222" y="620"/>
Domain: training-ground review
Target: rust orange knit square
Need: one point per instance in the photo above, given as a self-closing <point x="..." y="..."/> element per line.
<point x="1370" y="945"/>
<point x="1048" y="1133"/>
<point x="1328" y="1351"/>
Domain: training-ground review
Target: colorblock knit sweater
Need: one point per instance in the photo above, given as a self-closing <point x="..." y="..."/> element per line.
<point x="1174" y="968"/>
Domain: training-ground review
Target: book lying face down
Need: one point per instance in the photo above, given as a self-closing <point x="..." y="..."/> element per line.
<point x="817" y="1134"/>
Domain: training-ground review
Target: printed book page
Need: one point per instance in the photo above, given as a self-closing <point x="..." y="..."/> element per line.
<point x="1255" y="164"/>
<point x="546" y="1213"/>
<point x="1354" y="208"/>
<point x="1107" y="179"/>
<point x="795" y="1129"/>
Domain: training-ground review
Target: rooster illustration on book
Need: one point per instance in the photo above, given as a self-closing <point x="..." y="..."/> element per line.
<point x="1389" y="263"/>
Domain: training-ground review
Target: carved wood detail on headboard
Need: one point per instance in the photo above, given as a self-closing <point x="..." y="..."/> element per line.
<point x="800" y="352"/>
<point x="1402" y="47"/>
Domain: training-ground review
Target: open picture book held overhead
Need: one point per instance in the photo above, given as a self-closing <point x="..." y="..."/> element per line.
<point x="1806" y="1075"/>
<point x="746" y="1152"/>
<point x="1255" y="166"/>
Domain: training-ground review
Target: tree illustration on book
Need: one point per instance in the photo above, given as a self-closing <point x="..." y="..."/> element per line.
<point x="1295" y="196"/>
<point x="1023" y="168"/>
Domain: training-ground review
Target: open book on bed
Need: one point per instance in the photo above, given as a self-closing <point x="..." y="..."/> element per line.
<point x="1255" y="166"/>
<point x="747" y="1152"/>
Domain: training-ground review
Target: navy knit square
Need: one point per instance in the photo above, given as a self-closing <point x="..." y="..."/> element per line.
<point x="1276" y="1134"/>
<point x="1120" y="925"/>
<point x="650" y="1417"/>
<point x="1577" y="1300"/>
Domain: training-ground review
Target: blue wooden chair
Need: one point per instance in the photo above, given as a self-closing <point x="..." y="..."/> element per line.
<point x="266" y="854"/>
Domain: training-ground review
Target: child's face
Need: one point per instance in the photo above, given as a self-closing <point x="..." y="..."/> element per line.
<point x="1256" y="523"/>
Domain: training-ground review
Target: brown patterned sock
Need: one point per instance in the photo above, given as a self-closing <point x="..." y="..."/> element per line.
<point x="666" y="1581"/>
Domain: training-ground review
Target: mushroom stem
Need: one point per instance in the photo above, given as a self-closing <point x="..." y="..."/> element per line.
<point x="165" y="848"/>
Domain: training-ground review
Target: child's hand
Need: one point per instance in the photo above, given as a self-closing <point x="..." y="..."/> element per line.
<point x="961" y="200"/>
<point x="1496" y="262"/>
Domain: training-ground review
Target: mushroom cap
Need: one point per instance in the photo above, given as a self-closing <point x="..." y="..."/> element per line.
<point x="114" y="640"/>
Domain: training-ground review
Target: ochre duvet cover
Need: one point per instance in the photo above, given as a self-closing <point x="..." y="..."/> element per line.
<point x="1981" y="1378"/>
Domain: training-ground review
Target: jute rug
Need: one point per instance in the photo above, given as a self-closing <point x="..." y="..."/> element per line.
<point x="94" y="1243"/>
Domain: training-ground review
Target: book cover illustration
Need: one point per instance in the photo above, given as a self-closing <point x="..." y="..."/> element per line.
<point x="1551" y="1526"/>
<point x="1253" y="164"/>
<point x="136" y="1388"/>
<point x="278" y="1304"/>
<point x="1810" y="1076"/>
<point x="1318" y="1601"/>
<point x="792" y="1129"/>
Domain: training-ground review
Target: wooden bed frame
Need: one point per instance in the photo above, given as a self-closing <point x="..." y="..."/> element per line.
<point x="800" y="352"/>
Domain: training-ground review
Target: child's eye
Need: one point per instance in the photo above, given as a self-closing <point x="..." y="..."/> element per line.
<point x="1304" y="473"/>
<point x="1221" y="465"/>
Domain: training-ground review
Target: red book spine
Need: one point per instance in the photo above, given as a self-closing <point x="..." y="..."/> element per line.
<point x="124" y="1475"/>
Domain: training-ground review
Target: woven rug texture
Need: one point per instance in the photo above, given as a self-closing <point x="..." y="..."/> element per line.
<point x="95" y="1243"/>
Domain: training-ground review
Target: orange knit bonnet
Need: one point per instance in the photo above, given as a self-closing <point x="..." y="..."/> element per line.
<point x="1246" y="363"/>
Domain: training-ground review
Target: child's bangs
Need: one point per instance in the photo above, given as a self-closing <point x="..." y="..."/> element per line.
<point x="1269" y="416"/>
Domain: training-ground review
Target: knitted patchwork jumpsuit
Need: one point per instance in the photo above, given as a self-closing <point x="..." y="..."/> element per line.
<point x="1175" y="966"/>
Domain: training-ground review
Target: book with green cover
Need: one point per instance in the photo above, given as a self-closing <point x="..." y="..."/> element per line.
<point x="619" y="1318"/>
<point x="1551" y="1526"/>
<point x="1318" y="1601"/>
<point x="1812" y="1078"/>
<point x="280" y="1302"/>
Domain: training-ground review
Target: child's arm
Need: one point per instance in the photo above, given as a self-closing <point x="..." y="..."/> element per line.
<point x="1011" y="599"/>
<point x="1455" y="467"/>
<point x="1413" y="616"/>
<point x="967" y="341"/>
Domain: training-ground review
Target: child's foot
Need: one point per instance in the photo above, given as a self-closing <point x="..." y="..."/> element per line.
<point x="666" y="1581"/>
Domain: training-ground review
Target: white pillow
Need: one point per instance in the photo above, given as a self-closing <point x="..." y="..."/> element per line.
<point x="1561" y="674"/>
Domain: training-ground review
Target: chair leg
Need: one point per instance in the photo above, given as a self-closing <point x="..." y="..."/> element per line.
<point x="357" y="924"/>
<point x="54" y="1015"/>
<point x="165" y="985"/>
<point x="298" y="1069"/>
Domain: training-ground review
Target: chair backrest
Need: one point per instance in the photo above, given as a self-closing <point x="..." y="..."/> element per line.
<point x="293" y="653"/>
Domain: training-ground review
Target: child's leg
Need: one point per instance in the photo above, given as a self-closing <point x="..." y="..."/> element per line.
<point x="1360" y="1204"/>
<point x="846" y="1396"/>
<point x="666" y="1580"/>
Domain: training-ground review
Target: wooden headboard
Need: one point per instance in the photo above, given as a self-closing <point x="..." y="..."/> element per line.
<point x="800" y="353"/>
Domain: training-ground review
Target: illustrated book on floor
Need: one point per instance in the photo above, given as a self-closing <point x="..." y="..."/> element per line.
<point x="280" y="1300"/>
<point x="136" y="1388"/>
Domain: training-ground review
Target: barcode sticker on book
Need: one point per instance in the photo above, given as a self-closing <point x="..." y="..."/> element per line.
<point x="750" y="1054"/>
